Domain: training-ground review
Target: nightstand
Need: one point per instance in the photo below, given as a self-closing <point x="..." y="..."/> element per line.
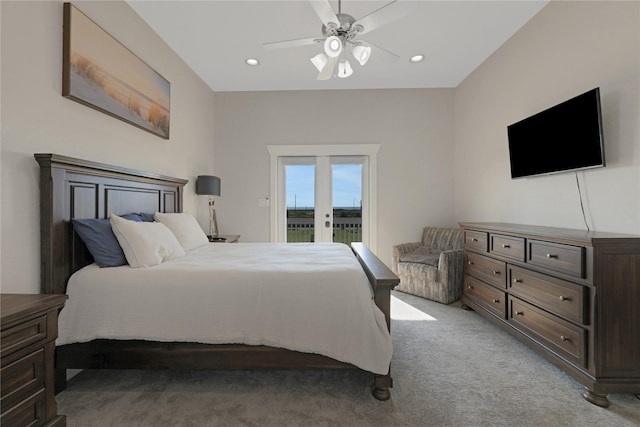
<point x="225" y="238"/>
<point x="29" y="324"/>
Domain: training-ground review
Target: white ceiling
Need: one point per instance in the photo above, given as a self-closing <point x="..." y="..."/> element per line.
<point x="215" y="37"/>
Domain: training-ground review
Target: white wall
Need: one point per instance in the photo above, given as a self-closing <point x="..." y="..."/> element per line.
<point x="566" y="49"/>
<point x="415" y="169"/>
<point x="36" y="118"/>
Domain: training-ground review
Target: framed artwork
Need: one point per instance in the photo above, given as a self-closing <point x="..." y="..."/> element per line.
<point x="101" y="73"/>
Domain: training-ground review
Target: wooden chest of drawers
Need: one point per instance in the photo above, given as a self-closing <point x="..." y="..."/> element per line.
<point x="29" y="326"/>
<point x="572" y="295"/>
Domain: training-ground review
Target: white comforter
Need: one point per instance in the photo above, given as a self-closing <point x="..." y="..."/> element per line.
<point x="311" y="298"/>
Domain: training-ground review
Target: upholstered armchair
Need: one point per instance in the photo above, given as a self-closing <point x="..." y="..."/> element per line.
<point x="432" y="268"/>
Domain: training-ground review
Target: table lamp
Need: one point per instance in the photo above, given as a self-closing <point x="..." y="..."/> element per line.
<point x="209" y="185"/>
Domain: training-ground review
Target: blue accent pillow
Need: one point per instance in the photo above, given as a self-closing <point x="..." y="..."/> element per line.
<point x="100" y="240"/>
<point x="147" y="217"/>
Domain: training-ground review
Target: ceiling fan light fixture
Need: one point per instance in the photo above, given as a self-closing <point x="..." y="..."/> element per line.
<point x="333" y="46"/>
<point x="341" y="37"/>
<point x="319" y="61"/>
<point x="362" y="53"/>
<point x="344" y="69"/>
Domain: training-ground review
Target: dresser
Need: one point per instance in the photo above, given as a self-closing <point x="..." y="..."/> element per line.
<point x="29" y="326"/>
<point x="573" y="296"/>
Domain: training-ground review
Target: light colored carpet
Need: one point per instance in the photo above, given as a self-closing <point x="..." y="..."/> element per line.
<point x="450" y="367"/>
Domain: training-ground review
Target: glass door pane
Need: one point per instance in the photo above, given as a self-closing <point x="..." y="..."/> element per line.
<point x="346" y="199"/>
<point x="300" y="202"/>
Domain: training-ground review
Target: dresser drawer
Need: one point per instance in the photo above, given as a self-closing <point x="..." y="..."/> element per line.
<point x="23" y="335"/>
<point x="22" y="378"/>
<point x="507" y="246"/>
<point x="488" y="269"/>
<point x="476" y="240"/>
<point x="29" y="412"/>
<point x="488" y="297"/>
<point x="558" y="257"/>
<point x="559" y="336"/>
<point x="563" y="298"/>
<point x="29" y="326"/>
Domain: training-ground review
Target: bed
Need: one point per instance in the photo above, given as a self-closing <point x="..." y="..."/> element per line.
<point x="74" y="188"/>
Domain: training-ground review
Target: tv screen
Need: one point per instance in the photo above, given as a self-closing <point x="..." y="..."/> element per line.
<point x="563" y="138"/>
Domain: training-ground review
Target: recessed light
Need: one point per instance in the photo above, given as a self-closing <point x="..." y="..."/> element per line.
<point x="252" y="61"/>
<point x="416" y="58"/>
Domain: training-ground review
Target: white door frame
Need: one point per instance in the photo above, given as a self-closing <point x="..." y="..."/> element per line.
<point x="277" y="198"/>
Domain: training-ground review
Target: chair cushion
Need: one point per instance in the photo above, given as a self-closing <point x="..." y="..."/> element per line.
<point x="422" y="255"/>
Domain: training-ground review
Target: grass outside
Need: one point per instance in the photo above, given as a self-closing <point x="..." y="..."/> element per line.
<point x="340" y="235"/>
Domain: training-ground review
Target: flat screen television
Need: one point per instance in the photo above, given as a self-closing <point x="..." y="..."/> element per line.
<point x="566" y="137"/>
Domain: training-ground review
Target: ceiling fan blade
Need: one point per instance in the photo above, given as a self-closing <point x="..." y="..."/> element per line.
<point x="324" y="11"/>
<point x="292" y="43"/>
<point x="382" y="16"/>
<point x="327" y="71"/>
<point x="380" y="51"/>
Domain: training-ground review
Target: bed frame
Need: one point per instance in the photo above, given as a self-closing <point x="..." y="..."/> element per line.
<point x="74" y="188"/>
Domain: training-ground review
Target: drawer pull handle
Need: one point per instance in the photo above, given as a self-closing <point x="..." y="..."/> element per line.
<point x="518" y="313"/>
<point x="517" y="280"/>
<point x="563" y="338"/>
<point x="496" y="300"/>
<point x="550" y="256"/>
<point x="563" y="298"/>
<point x="469" y="287"/>
<point x="506" y="246"/>
<point x="473" y="239"/>
<point x="496" y="272"/>
<point x="470" y="262"/>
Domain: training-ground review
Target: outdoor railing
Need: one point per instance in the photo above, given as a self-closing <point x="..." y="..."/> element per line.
<point x="345" y="230"/>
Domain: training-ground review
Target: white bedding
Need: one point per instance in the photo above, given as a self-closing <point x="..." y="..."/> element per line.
<point x="311" y="298"/>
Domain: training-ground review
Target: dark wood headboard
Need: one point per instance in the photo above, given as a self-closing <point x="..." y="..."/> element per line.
<point x="75" y="188"/>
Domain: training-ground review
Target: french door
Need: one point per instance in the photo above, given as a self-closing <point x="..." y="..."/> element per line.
<point x="322" y="197"/>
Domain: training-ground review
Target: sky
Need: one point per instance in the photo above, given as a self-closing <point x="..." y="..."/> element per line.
<point x="346" y="185"/>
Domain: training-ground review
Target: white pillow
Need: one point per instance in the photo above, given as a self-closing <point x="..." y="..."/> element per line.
<point x="145" y="244"/>
<point x="186" y="229"/>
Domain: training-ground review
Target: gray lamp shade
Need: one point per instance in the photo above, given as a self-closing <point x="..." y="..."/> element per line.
<point x="208" y="185"/>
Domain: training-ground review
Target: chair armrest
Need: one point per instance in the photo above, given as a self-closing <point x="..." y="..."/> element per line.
<point x="401" y="249"/>
<point x="451" y="266"/>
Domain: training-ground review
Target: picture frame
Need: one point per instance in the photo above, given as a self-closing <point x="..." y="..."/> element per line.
<point x="101" y="73"/>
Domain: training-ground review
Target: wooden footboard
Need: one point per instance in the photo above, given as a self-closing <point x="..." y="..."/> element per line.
<point x="69" y="187"/>
<point x="382" y="280"/>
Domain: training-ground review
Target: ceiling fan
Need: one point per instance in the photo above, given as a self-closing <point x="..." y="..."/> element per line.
<point x="340" y="33"/>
